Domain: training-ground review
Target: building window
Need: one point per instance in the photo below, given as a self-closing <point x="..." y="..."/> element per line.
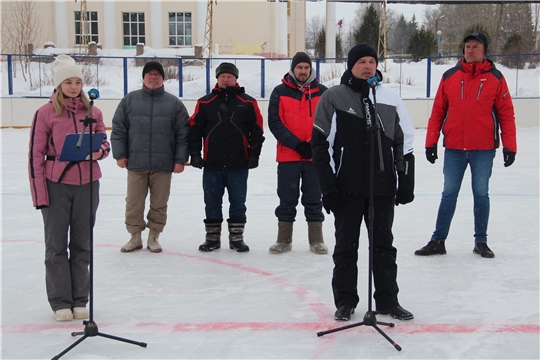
<point x="180" y="31"/>
<point x="134" y="33"/>
<point x="91" y="27"/>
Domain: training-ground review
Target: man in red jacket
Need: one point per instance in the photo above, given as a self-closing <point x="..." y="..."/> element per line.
<point x="473" y="109"/>
<point x="290" y="118"/>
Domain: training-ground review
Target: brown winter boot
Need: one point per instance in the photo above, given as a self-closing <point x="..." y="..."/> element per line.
<point x="135" y="243"/>
<point x="284" y="238"/>
<point x="153" y="243"/>
<point x="236" y="236"/>
<point x="316" y="240"/>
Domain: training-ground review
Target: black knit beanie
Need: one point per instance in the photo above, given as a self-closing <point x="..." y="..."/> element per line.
<point x="358" y="52"/>
<point x="153" y="65"/>
<point x="228" y="68"/>
<point x="300" y="57"/>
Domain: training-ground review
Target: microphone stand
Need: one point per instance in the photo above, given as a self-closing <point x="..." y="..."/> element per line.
<point x="370" y="317"/>
<point x="90" y="327"/>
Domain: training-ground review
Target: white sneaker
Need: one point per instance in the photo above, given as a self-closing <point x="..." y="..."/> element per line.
<point x="80" y="313"/>
<point x="135" y="243"/>
<point x="63" y="315"/>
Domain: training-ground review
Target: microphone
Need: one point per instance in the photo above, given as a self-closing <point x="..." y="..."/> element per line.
<point x="373" y="81"/>
<point x="93" y="94"/>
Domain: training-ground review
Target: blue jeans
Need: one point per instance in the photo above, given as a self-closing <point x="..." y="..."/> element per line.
<point x="455" y="163"/>
<point x="215" y="181"/>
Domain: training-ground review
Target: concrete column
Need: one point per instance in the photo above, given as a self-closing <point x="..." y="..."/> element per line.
<point x="156" y="24"/>
<point x="110" y="23"/>
<point x="61" y="25"/>
<point x="281" y="29"/>
<point x="330" y="30"/>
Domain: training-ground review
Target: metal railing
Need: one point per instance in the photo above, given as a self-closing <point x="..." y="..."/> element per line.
<point x="197" y="75"/>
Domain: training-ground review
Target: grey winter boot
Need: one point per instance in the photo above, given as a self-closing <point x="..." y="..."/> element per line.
<point x="213" y="236"/>
<point x="236" y="236"/>
<point x="134" y="244"/>
<point x="153" y="243"/>
<point x="316" y="240"/>
<point x="284" y="238"/>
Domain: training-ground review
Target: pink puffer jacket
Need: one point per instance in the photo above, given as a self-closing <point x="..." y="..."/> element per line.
<point x="47" y="137"/>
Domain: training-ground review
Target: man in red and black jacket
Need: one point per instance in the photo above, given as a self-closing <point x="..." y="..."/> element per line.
<point x="290" y="117"/>
<point x="230" y="125"/>
<point x="473" y="110"/>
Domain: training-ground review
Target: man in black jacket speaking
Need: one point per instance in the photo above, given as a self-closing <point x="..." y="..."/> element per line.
<point x="343" y="123"/>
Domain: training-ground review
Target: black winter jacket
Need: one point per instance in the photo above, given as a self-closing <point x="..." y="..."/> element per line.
<point x="230" y="124"/>
<point x="341" y="140"/>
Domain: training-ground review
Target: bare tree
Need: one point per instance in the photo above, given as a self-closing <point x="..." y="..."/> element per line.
<point x="20" y="27"/>
<point x="313" y="28"/>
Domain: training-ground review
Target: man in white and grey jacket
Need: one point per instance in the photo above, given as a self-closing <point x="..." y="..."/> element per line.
<point x="341" y="157"/>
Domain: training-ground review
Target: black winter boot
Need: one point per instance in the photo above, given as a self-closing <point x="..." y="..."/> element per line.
<point x="434" y="247"/>
<point x="213" y="236"/>
<point x="483" y="250"/>
<point x="236" y="236"/>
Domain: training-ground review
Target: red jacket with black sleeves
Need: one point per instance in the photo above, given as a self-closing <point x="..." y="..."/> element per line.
<point x="473" y="109"/>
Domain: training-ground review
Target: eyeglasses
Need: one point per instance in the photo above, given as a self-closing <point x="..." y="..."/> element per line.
<point x="153" y="74"/>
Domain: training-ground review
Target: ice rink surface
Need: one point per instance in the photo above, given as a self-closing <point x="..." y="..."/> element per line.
<point x="224" y="305"/>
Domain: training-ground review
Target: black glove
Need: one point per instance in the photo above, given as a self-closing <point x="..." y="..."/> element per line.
<point x="405" y="190"/>
<point x="431" y="154"/>
<point x="252" y="162"/>
<point x="331" y="202"/>
<point x="304" y="149"/>
<point x="509" y="157"/>
<point x="404" y="196"/>
<point x="197" y="161"/>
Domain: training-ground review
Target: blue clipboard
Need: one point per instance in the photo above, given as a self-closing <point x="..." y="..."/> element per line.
<point x="70" y="152"/>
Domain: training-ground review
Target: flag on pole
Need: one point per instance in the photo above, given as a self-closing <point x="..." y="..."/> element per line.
<point x="340" y="23"/>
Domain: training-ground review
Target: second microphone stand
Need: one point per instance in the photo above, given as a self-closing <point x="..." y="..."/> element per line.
<point x="90" y="326"/>
<point x="370" y="317"/>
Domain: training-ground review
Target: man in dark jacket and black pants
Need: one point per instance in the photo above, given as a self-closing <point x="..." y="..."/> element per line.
<point x="230" y="124"/>
<point x="290" y="117"/>
<point x="150" y="138"/>
<point x="341" y="155"/>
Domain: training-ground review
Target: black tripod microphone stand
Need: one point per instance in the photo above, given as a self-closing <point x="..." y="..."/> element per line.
<point x="370" y="318"/>
<point x="90" y="327"/>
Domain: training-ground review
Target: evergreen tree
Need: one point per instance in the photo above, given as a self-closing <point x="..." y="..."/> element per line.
<point x="515" y="44"/>
<point x="320" y="45"/>
<point x="423" y="43"/>
<point x="368" y="31"/>
<point x="401" y="37"/>
<point x="413" y="25"/>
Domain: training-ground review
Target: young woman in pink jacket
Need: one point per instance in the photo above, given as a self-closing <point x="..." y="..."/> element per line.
<point x="61" y="190"/>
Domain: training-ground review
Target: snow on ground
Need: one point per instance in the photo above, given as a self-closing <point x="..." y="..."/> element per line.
<point x="224" y="305"/>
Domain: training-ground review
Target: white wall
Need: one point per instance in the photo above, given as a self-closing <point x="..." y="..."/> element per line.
<point x="18" y="112"/>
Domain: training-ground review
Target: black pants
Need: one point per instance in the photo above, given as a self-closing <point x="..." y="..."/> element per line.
<point x="348" y="219"/>
<point x="294" y="177"/>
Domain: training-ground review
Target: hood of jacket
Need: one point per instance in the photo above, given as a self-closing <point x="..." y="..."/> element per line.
<point x="290" y="80"/>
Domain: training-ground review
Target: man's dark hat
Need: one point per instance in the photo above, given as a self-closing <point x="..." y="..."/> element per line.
<point x="226" y="67"/>
<point x="478" y="36"/>
<point x="358" y="52"/>
<point x="153" y="65"/>
<point x="300" y="57"/>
